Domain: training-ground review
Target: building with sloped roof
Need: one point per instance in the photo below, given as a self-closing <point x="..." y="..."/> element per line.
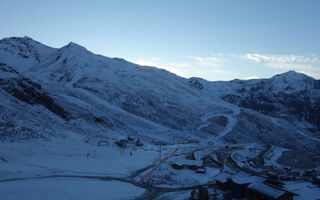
<point x="261" y="191"/>
<point x="316" y="180"/>
<point x="189" y="164"/>
<point x="222" y="181"/>
<point x="239" y="183"/>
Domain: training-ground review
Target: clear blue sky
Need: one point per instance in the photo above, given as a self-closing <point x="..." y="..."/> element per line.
<point x="212" y="39"/>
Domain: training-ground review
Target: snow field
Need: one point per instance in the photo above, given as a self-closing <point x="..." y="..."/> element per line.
<point x="69" y="188"/>
<point x="27" y="160"/>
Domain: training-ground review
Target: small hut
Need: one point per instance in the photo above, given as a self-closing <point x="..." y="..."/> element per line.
<point x="103" y="143"/>
<point x="201" y="170"/>
<point x="122" y="143"/>
<point x="316" y="180"/>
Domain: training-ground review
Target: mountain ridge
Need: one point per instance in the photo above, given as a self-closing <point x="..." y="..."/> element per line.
<point x="110" y="96"/>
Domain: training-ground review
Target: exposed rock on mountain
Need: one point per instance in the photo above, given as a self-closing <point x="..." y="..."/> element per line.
<point x="77" y="91"/>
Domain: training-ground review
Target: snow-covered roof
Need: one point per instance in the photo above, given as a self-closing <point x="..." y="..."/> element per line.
<point x="223" y="177"/>
<point x="245" y="178"/>
<point x="267" y="190"/>
<point x="189" y="162"/>
<point x="201" y="170"/>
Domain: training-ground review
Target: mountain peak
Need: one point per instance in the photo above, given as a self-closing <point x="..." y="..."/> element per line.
<point x="292" y="72"/>
<point x="25" y="39"/>
<point x="28" y="38"/>
<point x="292" y="81"/>
<point x="17" y="50"/>
<point x="292" y="75"/>
<point x="74" y="47"/>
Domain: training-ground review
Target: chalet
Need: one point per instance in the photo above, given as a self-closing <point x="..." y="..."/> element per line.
<point x="222" y="181"/>
<point x="272" y="175"/>
<point x="122" y="143"/>
<point x="103" y="143"/>
<point x="285" y="178"/>
<point x="239" y="183"/>
<point x="139" y="143"/>
<point x="261" y="191"/>
<point x="194" y="141"/>
<point x="309" y="173"/>
<point x="288" y="169"/>
<point x="316" y="180"/>
<point x="275" y="182"/>
<point x="296" y="173"/>
<point x="201" y="170"/>
<point x="244" y="185"/>
<point x="175" y="166"/>
<point x="130" y="138"/>
<point x="189" y="164"/>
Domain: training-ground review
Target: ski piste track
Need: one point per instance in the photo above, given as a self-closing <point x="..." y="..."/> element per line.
<point x="231" y="121"/>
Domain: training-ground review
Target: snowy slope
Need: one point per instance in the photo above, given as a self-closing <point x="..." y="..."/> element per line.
<point x="72" y="90"/>
<point x="22" y="53"/>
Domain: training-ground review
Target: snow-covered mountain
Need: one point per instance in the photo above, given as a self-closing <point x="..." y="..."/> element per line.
<point x="55" y="92"/>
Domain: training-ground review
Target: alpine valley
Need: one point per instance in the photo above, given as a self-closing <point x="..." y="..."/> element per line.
<point x="58" y="104"/>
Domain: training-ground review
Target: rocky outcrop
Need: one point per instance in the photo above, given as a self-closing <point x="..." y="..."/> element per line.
<point x="30" y="92"/>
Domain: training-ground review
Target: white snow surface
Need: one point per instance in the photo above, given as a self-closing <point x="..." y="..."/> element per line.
<point x="141" y="98"/>
<point x="67" y="157"/>
<point x="305" y="190"/>
<point x="111" y="99"/>
<point x="175" y="196"/>
<point x="244" y="178"/>
<point x="265" y="189"/>
<point x="23" y="53"/>
<point x="68" y="188"/>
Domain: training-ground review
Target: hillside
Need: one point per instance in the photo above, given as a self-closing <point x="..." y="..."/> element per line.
<point x="54" y="92"/>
